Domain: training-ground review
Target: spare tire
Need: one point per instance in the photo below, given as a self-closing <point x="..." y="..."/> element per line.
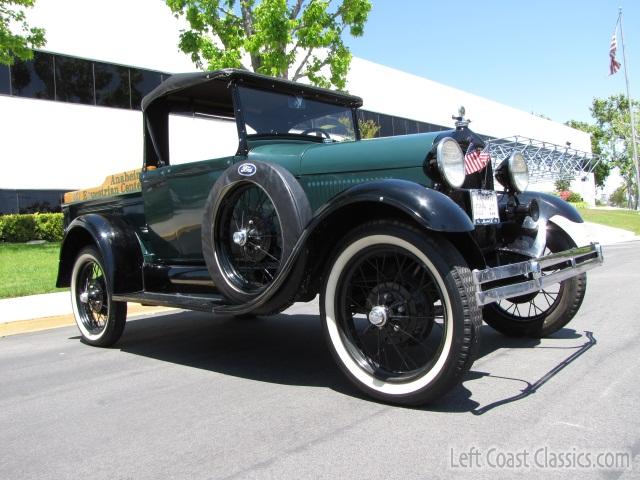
<point x="253" y="218"/>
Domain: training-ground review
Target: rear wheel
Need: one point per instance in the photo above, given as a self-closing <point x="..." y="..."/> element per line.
<point x="541" y="313"/>
<point x="399" y="313"/>
<point x="100" y="320"/>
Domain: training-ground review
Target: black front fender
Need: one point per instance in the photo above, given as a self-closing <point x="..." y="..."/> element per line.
<point x="430" y="208"/>
<point x="118" y="246"/>
<point x="532" y="243"/>
<point x="551" y="205"/>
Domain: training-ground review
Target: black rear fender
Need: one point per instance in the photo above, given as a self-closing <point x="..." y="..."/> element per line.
<point x="118" y="246"/>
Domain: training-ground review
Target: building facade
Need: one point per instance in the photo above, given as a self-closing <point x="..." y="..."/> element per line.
<point x="71" y="116"/>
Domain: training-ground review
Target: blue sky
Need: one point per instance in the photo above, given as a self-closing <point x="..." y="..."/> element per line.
<point x="546" y="57"/>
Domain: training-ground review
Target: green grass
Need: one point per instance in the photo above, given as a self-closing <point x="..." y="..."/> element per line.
<point x="28" y="269"/>
<point x="625" y="219"/>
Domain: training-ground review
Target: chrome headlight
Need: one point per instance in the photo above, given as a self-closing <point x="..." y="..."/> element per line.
<point x="513" y="173"/>
<point x="450" y="162"/>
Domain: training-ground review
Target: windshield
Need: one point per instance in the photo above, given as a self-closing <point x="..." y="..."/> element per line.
<point x="272" y="113"/>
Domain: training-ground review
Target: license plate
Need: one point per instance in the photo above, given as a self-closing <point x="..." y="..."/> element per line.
<point x="484" y="207"/>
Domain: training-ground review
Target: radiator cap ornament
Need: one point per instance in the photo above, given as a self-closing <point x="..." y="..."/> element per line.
<point x="461" y="122"/>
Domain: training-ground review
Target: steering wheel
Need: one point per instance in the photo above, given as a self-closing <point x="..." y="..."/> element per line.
<point x="316" y="130"/>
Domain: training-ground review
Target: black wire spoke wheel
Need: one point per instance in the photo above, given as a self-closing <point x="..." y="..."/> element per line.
<point x="390" y="306"/>
<point x="100" y="320"/>
<point x="253" y="219"/>
<point x="546" y="311"/>
<point x="94" y="305"/>
<point x="249" y="235"/>
<point x="399" y="312"/>
<point x="534" y="305"/>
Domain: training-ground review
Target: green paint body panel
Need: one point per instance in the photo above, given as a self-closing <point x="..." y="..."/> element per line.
<point x="174" y="196"/>
<point x="174" y="199"/>
<point x="368" y="155"/>
<point x="324" y="170"/>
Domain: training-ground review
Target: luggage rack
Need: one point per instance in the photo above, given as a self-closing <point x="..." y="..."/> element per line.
<point x="546" y="161"/>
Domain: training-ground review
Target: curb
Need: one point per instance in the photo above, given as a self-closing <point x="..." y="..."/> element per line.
<point x="58" y="321"/>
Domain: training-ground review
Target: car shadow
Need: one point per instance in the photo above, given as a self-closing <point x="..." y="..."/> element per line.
<point x="492" y="341"/>
<point x="287" y="349"/>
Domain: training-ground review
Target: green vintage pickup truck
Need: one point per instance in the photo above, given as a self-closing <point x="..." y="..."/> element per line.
<point x="406" y="239"/>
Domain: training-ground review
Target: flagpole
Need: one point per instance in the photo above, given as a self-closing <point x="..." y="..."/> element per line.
<point x="632" y="115"/>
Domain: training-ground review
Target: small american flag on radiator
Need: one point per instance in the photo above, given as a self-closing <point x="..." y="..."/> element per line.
<point x="475" y="159"/>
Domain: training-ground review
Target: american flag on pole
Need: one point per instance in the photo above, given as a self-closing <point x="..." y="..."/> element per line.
<point x="475" y="159"/>
<point x="614" y="65"/>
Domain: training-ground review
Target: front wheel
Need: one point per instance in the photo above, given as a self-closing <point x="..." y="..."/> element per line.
<point x="399" y="313"/>
<point x="541" y="313"/>
<point x="100" y="320"/>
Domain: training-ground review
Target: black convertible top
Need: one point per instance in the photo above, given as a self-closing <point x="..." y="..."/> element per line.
<point x="196" y="84"/>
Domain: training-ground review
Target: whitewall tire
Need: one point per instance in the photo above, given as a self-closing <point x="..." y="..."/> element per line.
<point x="100" y="320"/>
<point x="399" y="313"/>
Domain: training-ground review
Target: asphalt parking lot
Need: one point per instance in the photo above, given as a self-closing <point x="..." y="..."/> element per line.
<point x="184" y="395"/>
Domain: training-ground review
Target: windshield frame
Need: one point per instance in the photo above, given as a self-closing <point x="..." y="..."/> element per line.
<point x="244" y="137"/>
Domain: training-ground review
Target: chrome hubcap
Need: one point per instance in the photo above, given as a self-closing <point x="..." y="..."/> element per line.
<point x="240" y="237"/>
<point x="92" y="296"/>
<point x="378" y="316"/>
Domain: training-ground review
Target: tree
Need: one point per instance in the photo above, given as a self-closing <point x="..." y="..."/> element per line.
<point x="598" y="139"/>
<point x="17" y="45"/>
<point x="613" y="118"/>
<point x="292" y="39"/>
<point x="619" y="197"/>
<point x="368" y="128"/>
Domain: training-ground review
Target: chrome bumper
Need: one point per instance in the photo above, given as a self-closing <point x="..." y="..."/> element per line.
<point x="560" y="266"/>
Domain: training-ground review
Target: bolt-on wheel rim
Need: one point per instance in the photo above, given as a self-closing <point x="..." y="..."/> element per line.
<point x="92" y="299"/>
<point x="248" y="238"/>
<point x="535" y="305"/>
<point x="391" y="314"/>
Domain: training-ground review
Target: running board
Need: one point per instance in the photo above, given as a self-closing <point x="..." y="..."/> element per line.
<point x="202" y="303"/>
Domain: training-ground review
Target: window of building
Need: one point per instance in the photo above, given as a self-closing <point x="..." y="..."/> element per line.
<point x="70" y="79"/>
<point x="411" y="126"/>
<point x="142" y="82"/>
<point x="34" y="79"/>
<point x="386" y="125"/>
<point x="74" y="80"/>
<point x="399" y="127"/>
<point x="5" y="82"/>
<point x="112" y="85"/>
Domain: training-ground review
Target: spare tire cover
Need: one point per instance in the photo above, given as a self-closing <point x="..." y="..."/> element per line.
<point x="253" y="218"/>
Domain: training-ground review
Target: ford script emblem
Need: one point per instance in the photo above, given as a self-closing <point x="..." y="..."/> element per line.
<point x="247" y="169"/>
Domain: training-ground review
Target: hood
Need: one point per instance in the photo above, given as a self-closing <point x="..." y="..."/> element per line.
<point x="303" y="158"/>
